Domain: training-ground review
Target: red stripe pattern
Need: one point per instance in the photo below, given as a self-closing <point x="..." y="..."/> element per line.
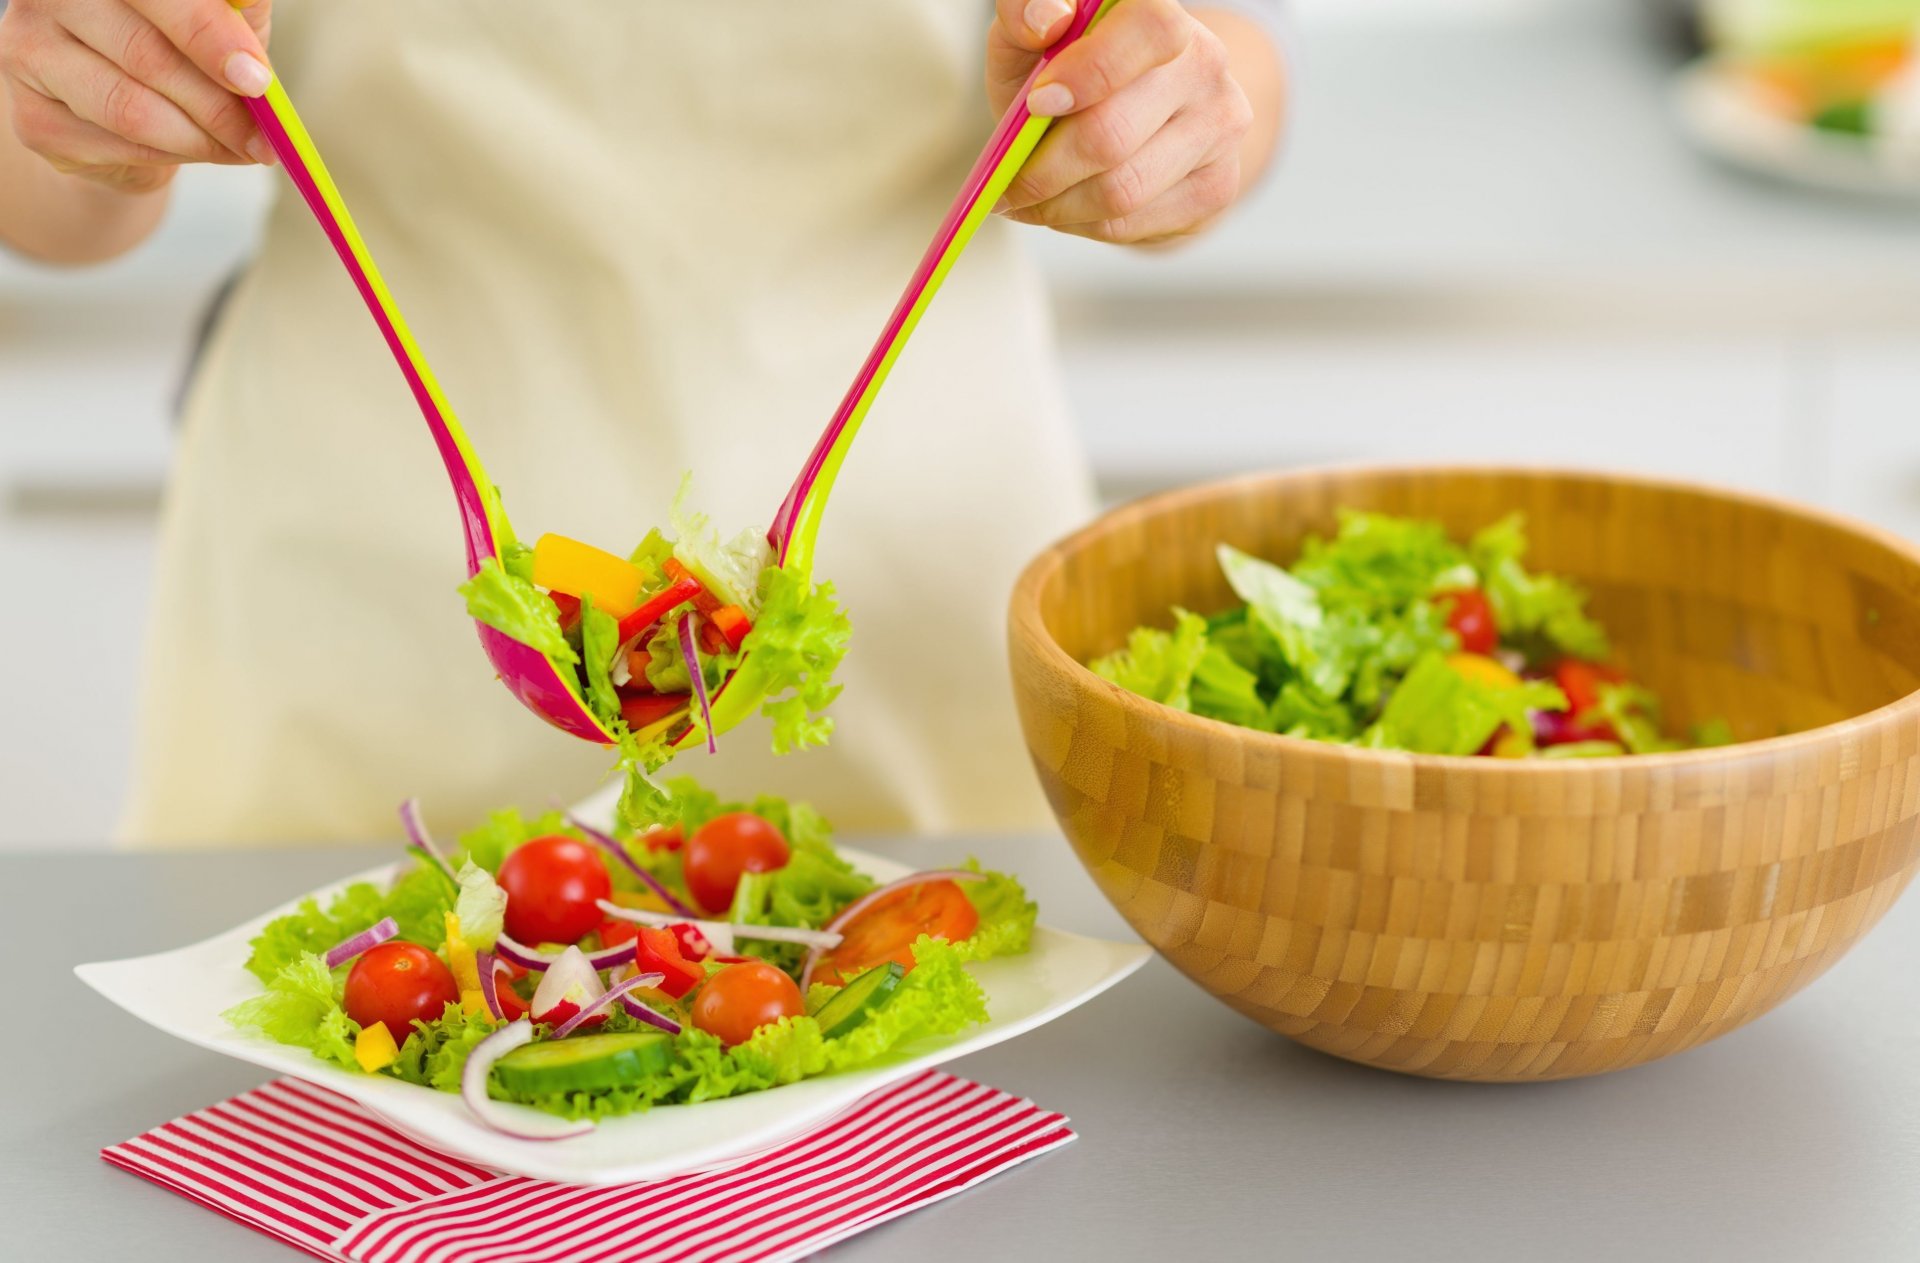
<point x="322" y="1174"/>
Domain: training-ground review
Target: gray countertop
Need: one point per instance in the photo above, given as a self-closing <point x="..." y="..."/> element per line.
<point x="1200" y="1133"/>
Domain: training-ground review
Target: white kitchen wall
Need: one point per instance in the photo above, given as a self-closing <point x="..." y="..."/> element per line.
<point x="1488" y="241"/>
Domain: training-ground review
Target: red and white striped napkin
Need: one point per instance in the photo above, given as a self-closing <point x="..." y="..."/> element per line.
<point x="319" y="1172"/>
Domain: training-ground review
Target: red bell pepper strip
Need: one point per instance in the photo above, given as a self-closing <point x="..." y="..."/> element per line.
<point x="569" y="607"/>
<point x="731" y="622"/>
<point x="646" y="709"/>
<point x="656" y="950"/>
<point x="683" y="589"/>
<point x="693" y="944"/>
<point x="703" y="600"/>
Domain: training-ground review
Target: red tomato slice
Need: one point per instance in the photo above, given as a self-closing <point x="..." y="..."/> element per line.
<point x="888" y="929"/>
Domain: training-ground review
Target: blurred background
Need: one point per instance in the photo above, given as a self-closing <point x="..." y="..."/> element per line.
<point x="1530" y="230"/>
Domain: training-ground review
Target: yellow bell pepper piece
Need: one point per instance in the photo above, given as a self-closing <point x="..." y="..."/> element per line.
<point x="643" y="900"/>
<point x="460" y="958"/>
<point x="581" y="570"/>
<point x="1483" y="670"/>
<point x="375" y="1049"/>
<point x="1512" y="745"/>
<point x="472" y="1003"/>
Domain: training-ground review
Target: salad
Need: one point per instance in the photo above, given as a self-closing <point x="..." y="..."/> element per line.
<point x="1393" y="636"/>
<point x="650" y="637"/>
<point x="723" y="948"/>
<point x="1844" y="66"/>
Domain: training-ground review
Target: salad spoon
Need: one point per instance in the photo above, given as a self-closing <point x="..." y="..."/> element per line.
<point x="526" y="671"/>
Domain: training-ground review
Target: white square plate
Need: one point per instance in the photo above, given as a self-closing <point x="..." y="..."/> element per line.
<point x="184" y="992"/>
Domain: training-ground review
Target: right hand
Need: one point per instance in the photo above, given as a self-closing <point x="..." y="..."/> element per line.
<point x="123" y="91"/>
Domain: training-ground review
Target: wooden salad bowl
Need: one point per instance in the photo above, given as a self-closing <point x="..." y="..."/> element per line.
<point x="1489" y="919"/>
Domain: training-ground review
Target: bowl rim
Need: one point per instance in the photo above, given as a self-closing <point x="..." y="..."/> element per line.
<point x="1024" y="619"/>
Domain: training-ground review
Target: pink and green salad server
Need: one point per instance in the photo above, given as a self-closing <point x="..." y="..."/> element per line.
<point x="547" y="691"/>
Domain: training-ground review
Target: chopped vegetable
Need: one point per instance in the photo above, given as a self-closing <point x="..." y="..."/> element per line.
<point x="374" y="1048"/>
<point x="570" y="987"/>
<point x="585" y="572"/>
<point x="474" y="1089"/>
<point x="372" y="936"/>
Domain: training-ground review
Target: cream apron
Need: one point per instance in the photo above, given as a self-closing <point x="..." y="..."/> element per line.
<point x="634" y="238"/>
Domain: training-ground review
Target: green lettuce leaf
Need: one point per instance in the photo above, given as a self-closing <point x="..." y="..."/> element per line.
<point x="487" y="843"/>
<point x="418" y="902"/>
<point x="1381" y="563"/>
<point x="599" y="641"/>
<point x="511" y="604"/>
<point x="301" y="1006"/>
<point x="1436" y="710"/>
<point x="481" y="906"/>
<point x="1159" y="665"/>
<point x="798" y="639"/>
<point x="1528" y="605"/>
<point x="1223" y="689"/>
<point x="1007" y="917"/>
<point x="435" y="1053"/>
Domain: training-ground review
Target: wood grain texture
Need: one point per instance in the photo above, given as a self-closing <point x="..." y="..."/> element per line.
<point x="1489" y="919"/>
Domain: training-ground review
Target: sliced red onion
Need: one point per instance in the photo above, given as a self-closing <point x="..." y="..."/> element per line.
<point x="591" y="1008"/>
<point x="525" y="957"/>
<point x="417" y="834"/>
<point x="374" y="935"/>
<point x="714" y="929"/>
<point x="518" y="1122"/>
<point x="606" y="843"/>
<point x="489" y="965"/>
<point x="649" y="1015"/>
<point x="569" y="987"/>
<point x="872" y="897"/>
<point x="691" y="653"/>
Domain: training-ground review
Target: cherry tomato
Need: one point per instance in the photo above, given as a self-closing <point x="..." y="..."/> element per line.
<point x="551" y="886"/>
<point x="1470" y="617"/>
<point x="740" y="999"/>
<point x="725" y="847"/>
<point x="399" y="984"/>
<point x="657" y="951"/>
<point x="1581" y="682"/>
<point x="889" y="928"/>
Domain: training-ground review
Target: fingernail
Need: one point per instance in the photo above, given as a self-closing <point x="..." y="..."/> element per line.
<point x="1050" y="101"/>
<point x="262" y="152"/>
<point x="248" y="74"/>
<point x="1042" y="15"/>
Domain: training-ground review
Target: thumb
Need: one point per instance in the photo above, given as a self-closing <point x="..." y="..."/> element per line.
<point x="1032" y="24"/>
<point x="259" y="16"/>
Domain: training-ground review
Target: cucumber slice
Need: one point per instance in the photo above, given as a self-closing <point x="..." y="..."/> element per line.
<point x="859" y="999"/>
<point x="585" y="1063"/>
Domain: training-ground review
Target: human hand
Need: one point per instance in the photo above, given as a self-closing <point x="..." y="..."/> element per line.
<point x="122" y="92"/>
<point x="1151" y="119"/>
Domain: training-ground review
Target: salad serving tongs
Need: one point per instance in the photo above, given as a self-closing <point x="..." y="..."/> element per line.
<point x="545" y="690"/>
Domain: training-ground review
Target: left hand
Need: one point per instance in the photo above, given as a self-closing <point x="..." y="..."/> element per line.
<point x="1147" y="146"/>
